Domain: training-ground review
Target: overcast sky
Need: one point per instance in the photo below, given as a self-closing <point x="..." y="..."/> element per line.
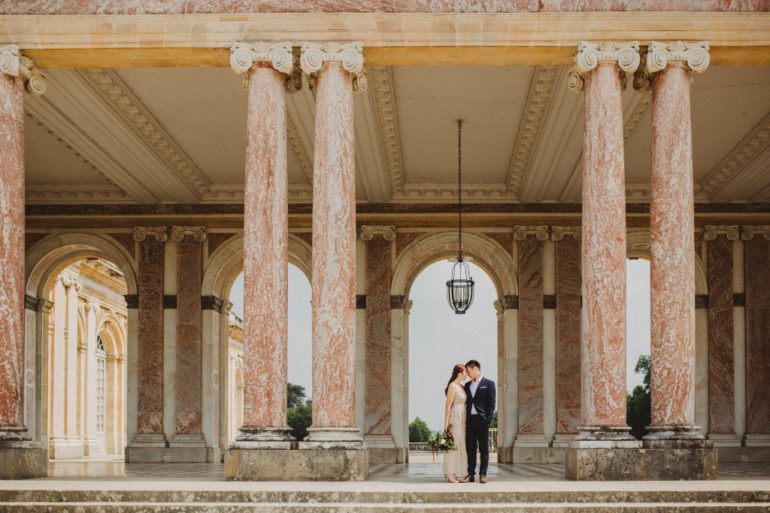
<point x="438" y="338"/>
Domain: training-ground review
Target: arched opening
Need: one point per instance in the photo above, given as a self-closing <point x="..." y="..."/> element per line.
<point x="299" y="346"/>
<point x="85" y="326"/>
<point x="443" y="338"/>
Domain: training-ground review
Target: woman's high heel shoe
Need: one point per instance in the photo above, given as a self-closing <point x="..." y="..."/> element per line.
<point x="448" y="479"/>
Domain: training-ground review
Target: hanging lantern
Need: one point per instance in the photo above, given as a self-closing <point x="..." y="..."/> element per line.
<point x="460" y="287"/>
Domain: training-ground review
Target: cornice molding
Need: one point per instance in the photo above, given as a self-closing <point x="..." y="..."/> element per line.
<point x="14" y="64"/>
<point x="385" y="100"/>
<point x="732" y="232"/>
<point x="448" y="191"/>
<point x="738" y="159"/>
<point x="540" y="232"/>
<point x="748" y="231"/>
<point x="299" y="150"/>
<point x="85" y="193"/>
<point x="159" y="233"/>
<point x="233" y="193"/>
<point x="540" y="91"/>
<point x="116" y="92"/>
<point x="387" y="232"/>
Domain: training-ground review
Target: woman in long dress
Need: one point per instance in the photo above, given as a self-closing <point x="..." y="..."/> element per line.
<point x="455" y="461"/>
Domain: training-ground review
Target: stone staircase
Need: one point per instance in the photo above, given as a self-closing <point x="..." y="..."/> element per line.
<point x="260" y="501"/>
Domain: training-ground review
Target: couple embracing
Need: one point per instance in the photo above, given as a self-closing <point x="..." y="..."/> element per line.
<point x="470" y="404"/>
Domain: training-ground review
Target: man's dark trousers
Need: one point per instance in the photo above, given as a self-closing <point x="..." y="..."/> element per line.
<point x="477" y="437"/>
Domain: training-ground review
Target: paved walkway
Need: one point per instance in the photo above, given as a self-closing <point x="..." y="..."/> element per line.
<point x="420" y="470"/>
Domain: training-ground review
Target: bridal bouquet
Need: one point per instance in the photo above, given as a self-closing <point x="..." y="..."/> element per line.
<point x="443" y="442"/>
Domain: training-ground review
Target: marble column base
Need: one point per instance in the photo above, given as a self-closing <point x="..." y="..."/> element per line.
<point x="675" y="437"/>
<point x="530" y="449"/>
<point x="155" y="449"/>
<point x="65" y="448"/>
<point x="265" y="438"/>
<point x="22" y="460"/>
<point x="296" y="465"/>
<point x="333" y="438"/>
<point x="626" y="464"/>
<point x="382" y="450"/>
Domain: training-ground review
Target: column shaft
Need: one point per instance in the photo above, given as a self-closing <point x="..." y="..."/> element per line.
<point x="334" y="258"/>
<point x="603" y="253"/>
<point x="265" y="256"/>
<point x="672" y="262"/>
<point x="11" y="257"/>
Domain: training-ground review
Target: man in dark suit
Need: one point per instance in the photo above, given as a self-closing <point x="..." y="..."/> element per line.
<point x="479" y="410"/>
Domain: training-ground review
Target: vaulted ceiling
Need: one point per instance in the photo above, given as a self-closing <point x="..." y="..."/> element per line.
<point x="177" y="135"/>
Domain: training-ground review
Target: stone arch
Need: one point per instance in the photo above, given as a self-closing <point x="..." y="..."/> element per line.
<point x="55" y="252"/>
<point x="226" y="263"/>
<point x="638" y="246"/>
<point x="496" y="261"/>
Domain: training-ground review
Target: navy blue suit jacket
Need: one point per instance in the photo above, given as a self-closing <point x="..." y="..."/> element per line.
<point x="484" y="400"/>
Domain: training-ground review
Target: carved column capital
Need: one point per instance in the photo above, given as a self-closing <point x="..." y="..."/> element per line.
<point x="13" y="63"/>
<point x="198" y="233"/>
<point x="590" y="55"/>
<point x="92" y="306"/>
<point x="368" y="232"/>
<point x="559" y="232"/>
<point x="748" y="231"/>
<point x="350" y="55"/>
<point x="280" y="56"/>
<point x="711" y="232"/>
<point x="160" y="233"/>
<point x="694" y="56"/>
<point x="539" y="231"/>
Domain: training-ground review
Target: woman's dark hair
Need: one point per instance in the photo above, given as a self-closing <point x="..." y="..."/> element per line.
<point x="457" y="370"/>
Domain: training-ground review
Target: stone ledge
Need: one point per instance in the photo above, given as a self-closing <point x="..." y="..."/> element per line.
<point x="166" y="454"/>
<point x="296" y="465"/>
<point x="23" y="462"/>
<point x="641" y="464"/>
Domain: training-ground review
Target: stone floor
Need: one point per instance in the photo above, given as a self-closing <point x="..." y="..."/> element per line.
<point x="421" y="469"/>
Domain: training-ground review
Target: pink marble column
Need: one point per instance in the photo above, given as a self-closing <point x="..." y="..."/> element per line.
<point x="14" y="69"/>
<point x="530" y="367"/>
<point x="721" y="365"/>
<point x="604" y="239"/>
<point x="152" y="241"/>
<point x="334" y="68"/>
<point x="567" y="253"/>
<point x="188" y="411"/>
<point x="266" y="258"/>
<point x="672" y="228"/>
<point x="379" y="246"/>
<point x="757" y="272"/>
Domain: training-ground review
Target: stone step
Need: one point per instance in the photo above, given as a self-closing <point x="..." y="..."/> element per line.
<point x="336" y="507"/>
<point x="390" y="497"/>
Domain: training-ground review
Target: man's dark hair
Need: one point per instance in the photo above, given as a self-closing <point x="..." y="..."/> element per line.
<point x="473" y="363"/>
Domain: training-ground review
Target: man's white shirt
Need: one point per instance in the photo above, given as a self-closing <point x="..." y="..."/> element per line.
<point x="474" y="387"/>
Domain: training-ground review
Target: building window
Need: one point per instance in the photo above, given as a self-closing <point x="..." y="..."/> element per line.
<point x="101" y="365"/>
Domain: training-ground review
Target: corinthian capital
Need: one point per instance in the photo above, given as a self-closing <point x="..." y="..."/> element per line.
<point x="539" y="231"/>
<point x="732" y="232"/>
<point x="160" y="233"/>
<point x="590" y="55"/>
<point x="16" y="65"/>
<point x="693" y="55"/>
<point x="350" y="55"/>
<point x="244" y="55"/>
<point x="368" y="232"/>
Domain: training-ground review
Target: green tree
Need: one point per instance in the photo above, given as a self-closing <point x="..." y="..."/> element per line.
<point x="299" y="415"/>
<point x="418" y="431"/>
<point x="638" y="405"/>
<point x="299" y="419"/>
<point x="296" y="395"/>
<point x="493" y="424"/>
